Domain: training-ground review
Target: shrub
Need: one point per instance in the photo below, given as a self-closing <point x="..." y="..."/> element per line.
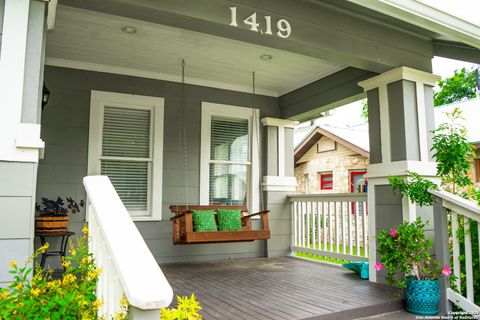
<point x="187" y="309"/>
<point x="405" y="251"/>
<point x="43" y="297"/>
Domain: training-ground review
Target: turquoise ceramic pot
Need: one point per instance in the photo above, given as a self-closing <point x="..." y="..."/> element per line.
<point x="422" y="297"/>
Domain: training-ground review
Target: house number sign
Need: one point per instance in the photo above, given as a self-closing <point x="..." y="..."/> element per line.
<point x="283" y="29"/>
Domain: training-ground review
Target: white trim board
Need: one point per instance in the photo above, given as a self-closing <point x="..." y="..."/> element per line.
<point x="400" y="73"/>
<point x="99" y="99"/>
<point x="419" y="13"/>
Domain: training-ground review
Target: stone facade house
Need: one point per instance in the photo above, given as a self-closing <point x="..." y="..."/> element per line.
<point x="332" y="160"/>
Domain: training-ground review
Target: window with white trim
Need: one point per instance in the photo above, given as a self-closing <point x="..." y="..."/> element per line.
<point x="229" y="169"/>
<point x="126" y="144"/>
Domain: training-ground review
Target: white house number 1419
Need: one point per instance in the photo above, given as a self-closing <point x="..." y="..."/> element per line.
<point x="283" y="26"/>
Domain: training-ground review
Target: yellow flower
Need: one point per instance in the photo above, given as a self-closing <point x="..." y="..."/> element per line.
<point x="65" y="262"/>
<point x="86" y="260"/>
<point x="4" y="295"/>
<point x="97" y="303"/>
<point x="85" y="229"/>
<point x="35" y="292"/>
<point x="73" y="252"/>
<point x="12" y="264"/>
<point x="69" y="278"/>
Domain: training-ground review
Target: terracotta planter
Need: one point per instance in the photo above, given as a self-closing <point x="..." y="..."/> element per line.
<point x="51" y="224"/>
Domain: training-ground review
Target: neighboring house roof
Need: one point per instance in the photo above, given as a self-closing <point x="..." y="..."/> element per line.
<point x="352" y="138"/>
<point x="356" y="137"/>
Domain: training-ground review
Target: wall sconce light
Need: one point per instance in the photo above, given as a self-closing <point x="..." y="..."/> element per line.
<point x="45" y="96"/>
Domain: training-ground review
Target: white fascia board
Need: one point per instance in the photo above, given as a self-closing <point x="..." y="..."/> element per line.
<point x="279" y="122"/>
<point x="427" y="17"/>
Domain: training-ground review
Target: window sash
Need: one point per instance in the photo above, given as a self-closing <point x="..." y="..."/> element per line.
<point x="326" y="181"/>
<point x="154" y="159"/>
<point x="252" y="163"/>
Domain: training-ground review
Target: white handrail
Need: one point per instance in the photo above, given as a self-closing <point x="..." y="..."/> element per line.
<point x="460" y="213"/>
<point x="330" y="225"/>
<point x="127" y="259"/>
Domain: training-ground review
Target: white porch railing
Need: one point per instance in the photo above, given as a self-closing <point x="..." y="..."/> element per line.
<point x="462" y="215"/>
<point x="128" y="266"/>
<point x="330" y="225"/>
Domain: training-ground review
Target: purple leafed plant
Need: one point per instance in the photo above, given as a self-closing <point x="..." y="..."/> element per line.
<point x="58" y="207"/>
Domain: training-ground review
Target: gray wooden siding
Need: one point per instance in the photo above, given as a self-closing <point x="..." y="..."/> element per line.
<point x="65" y="123"/>
<point x="16" y="216"/>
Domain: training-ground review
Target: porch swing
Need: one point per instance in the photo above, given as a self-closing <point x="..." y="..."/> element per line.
<point x="184" y="229"/>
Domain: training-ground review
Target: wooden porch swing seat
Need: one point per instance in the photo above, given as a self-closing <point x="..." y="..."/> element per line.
<point x="184" y="228"/>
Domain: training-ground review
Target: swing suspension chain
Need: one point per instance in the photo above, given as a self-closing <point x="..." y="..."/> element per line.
<point x="257" y="138"/>
<point x="182" y="137"/>
<point x="184" y="127"/>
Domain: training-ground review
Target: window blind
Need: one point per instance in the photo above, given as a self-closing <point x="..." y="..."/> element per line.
<point x="126" y="132"/>
<point x="229" y="142"/>
<point x="229" y="139"/>
<point x="126" y="154"/>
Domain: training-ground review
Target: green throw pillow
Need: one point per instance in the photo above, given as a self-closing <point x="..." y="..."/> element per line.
<point x="229" y="220"/>
<point x="204" y="220"/>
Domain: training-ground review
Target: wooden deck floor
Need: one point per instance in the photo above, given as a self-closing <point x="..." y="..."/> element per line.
<point x="277" y="288"/>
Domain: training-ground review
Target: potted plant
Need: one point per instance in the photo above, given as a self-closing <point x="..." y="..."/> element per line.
<point x="52" y="215"/>
<point x="405" y="254"/>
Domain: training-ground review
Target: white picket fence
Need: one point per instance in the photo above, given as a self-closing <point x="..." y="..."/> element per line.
<point x="330" y="225"/>
<point x="463" y="216"/>
<point x="128" y="267"/>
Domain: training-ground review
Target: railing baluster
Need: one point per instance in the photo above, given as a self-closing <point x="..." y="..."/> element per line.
<point x="337" y="228"/>
<point x="349" y="212"/>
<point x="342" y="212"/>
<point x="468" y="258"/>
<point x="293" y="209"/>
<point x="364" y="224"/>
<point x="299" y="212"/>
<point x="303" y="224"/>
<point x="314" y="229"/>
<point x="330" y="224"/>
<point x="318" y="226"/>
<point x="307" y="205"/>
<point x="357" y="236"/>
<point x="456" y="250"/>
<point x="322" y="224"/>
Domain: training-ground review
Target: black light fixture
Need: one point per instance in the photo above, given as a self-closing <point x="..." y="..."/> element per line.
<point x="45" y="96"/>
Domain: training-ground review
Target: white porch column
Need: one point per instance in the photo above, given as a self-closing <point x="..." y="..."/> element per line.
<point x="278" y="181"/>
<point x="400" y="111"/>
<point x="21" y="80"/>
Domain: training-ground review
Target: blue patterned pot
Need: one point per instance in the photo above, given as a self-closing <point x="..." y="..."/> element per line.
<point x="422" y="297"/>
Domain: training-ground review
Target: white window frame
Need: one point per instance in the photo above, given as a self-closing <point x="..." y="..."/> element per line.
<point x="98" y="101"/>
<point x="253" y="116"/>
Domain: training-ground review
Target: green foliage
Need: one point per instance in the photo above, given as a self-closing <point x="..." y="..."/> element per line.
<point x="188" y="309"/>
<point x="405" y="251"/>
<point x="459" y="87"/>
<point x="453" y="152"/>
<point x="42" y="297"/>
<point x="467" y="228"/>
<point x="364" y="113"/>
<point x="415" y="188"/>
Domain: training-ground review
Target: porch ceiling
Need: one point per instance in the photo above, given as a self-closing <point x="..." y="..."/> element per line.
<point x="92" y="40"/>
